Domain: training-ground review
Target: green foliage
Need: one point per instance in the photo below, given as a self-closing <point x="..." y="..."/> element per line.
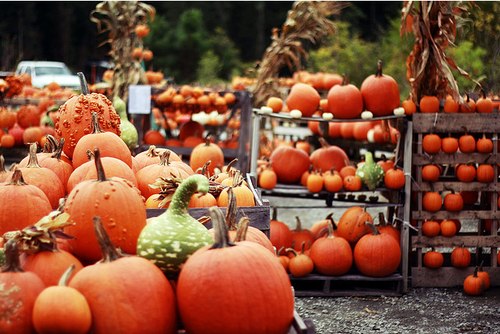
<point x="227" y="52"/>
<point x="470" y="58"/>
<point x="208" y="69"/>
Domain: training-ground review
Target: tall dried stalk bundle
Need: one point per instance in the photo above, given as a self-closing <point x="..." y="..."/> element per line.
<point x="306" y="21"/>
<point x="428" y="67"/>
<point x="118" y="19"/>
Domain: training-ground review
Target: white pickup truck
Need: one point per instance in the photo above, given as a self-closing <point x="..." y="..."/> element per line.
<point x="44" y="72"/>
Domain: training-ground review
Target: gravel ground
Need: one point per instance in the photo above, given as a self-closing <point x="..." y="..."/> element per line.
<point x="421" y="310"/>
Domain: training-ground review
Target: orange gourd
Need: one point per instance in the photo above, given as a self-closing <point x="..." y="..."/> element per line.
<point x="409" y="106"/>
<point x="268" y="179"/>
<point x="450" y="105"/>
<point x="394" y="179"/>
<point x="300" y="264"/>
<point x="333" y="182"/>
<point x="352" y="183"/>
<point x="469" y="106"/>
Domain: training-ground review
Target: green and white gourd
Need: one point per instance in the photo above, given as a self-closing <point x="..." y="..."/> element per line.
<point x="128" y="131"/>
<point x="170" y="238"/>
<point x="370" y="172"/>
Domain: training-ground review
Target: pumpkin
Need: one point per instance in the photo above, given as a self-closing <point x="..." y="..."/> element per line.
<point x="352" y="183"/>
<point x="304" y="98"/>
<point x="467" y="143"/>
<point x="484" y="145"/>
<point x="314" y="183"/>
<point x="33" y="134"/>
<point x="473" y="284"/>
<point x="469" y="106"/>
<point x="377" y="254"/>
<point x="347" y="171"/>
<point x="448" y="228"/>
<point x="275" y="103"/>
<point x="328" y="157"/>
<point x="352" y="224"/>
<point x="431" y="143"/>
<point x="43" y="178"/>
<point x="153" y="137"/>
<point x="75" y="117"/>
<point x="450" y="105"/>
<point x="143" y="299"/>
<point x="449" y="145"/>
<point x="301" y="236"/>
<point x="152" y="156"/>
<point x="431" y="228"/>
<point x="119" y="204"/>
<point x="429" y="104"/>
<point x="7" y="118"/>
<point x="284" y="259"/>
<point x="55" y="162"/>
<point x="371" y="174"/>
<point x="267" y="179"/>
<point x="19" y="292"/>
<point x="394" y="179"/>
<point x="28" y="115"/>
<point x="22" y="204"/>
<point x="331" y="255"/>
<point x="360" y="130"/>
<point x="207" y="152"/>
<point x="109" y="143"/>
<point x="453" y="202"/>
<point x="465" y="172"/>
<point x="170" y="238"/>
<point x="485" y="173"/>
<point x="112" y="167"/>
<point x="460" y="257"/>
<point x="345" y="101"/>
<point x="333" y="182"/>
<point x="300" y="264"/>
<point x="289" y="163"/>
<point x="216" y="295"/>
<point x="484" y="104"/>
<point x="385" y="227"/>
<point x="409" y="106"/>
<point x="4" y="174"/>
<point x="7" y="141"/>
<point x="330" y="80"/>
<point x="485" y="276"/>
<point x="380" y="93"/>
<point x="280" y="234"/>
<point x="52" y="316"/>
<point x="432" y="201"/>
<point x="433" y="259"/>
<point x="431" y="173"/>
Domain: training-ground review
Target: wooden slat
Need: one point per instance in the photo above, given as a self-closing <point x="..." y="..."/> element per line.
<point x="351" y="277"/>
<point x="456" y="186"/>
<point x="448" y="276"/>
<point x="455" y="215"/>
<point x="452" y="159"/>
<point x="457" y="241"/>
<point x="444" y="123"/>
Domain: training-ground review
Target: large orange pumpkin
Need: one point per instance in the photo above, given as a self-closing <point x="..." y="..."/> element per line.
<point x="380" y="93"/>
<point x="304" y="98"/>
<point x="75" y="117"/>
<point x="119" y="204"/>
<point x="345" y="101"/>
<point x="289" y="163"/>
<point x="328" y="157"/>
<point x="352" y="224"/>
<point x="28" y="115"/>
<point x="205" y="152"/>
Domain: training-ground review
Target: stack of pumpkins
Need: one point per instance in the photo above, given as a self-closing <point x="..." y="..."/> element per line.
<point x="337" y="249"/>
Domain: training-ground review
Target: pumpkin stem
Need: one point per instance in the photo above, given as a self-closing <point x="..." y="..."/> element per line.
<point x="221" y="235"/>
<point x="204" y="169"/>
<point x="17" y="178"/>
<point x="207" y="140"/>
<point x="109" y="252"/>
<point x="331" y="226"/>
<point x="165" y="158"/>
<point x="288" y="250"/>
<point x="182" y="195"/>
<point x="152" y="152"/>
<point x="101" y="175"/>
<point x="381" y="219"/>
<point x="33" y="159"/>
<point x="475" y="271"/>
<point x="372" y="226"/>
<point x="2" y="164"/>
<point x="298" y="227"/>
<point x="345" y="80"/>
<point x="274" y="215"/>
<point x="231" y="210"/>
<point x="323" y="142"/>
<point x="241" y="232"/>
<point x="483" y="93"/>
<point x="282" y="248"/>
<point x="50" y="145"/>
<point x="379" y="68"/>
<point x="83" y="83"/>
<point x="58" y="150"/>
<point x="95" y="123"/>
<point x="63" y="281"/>
<point x="231" y="164"/>
<point x="12" y="263"/>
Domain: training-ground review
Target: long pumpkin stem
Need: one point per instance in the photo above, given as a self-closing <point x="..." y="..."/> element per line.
<point x="194" y="183"/>
<point x="12" y="264"/>
<point x="231" y="210"/>
<point x="109" y="252"/>
<point x="17" y="178"/>
<point x="379" y="68"/>
<point x="83" y="83"/>
<point x="33" y="159"/>
<point x="96" y="128"/>
<point x="241" y="232"/>
<point x="101" y="175"/>
<point x="221" y="235"/>
<point x="59" y="149"/>
<point x="63" y="281"/>
<point x="2" y="164"/>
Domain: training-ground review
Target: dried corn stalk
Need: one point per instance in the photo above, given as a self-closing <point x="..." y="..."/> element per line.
<point x="118" y="19"/>
<point x="428" y="68"/>
<point x="306" y="21"/>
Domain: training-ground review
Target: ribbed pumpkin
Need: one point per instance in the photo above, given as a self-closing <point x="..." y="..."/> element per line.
<point x="22" y="204"/>
<point x="112" y="167"/>
<point x="352" y="224"/>
<point x="328" y="157"/>
<point x="377" y="254"/>
<point x="52" y="316"/>
<point x="119" y="204"/>
<point x="473" y="284"/>
<point x="331" y="255"/>
<point x="460" y="257"/>
<point x="43" y="178"/>
<point x="75" y="116"/>
<point x="380" y="93"/>
<point x="289" y="163"/>
<point x="207" y="152"/>
<point x="142" y="298"/>
<point x="109" y="143"/>
<point x="304" y="98"/>
<point x="19" y="292"/>
<point x="152" y="156"/>
<point x="301" y="236"/>
<point x="165" y="168"/>
<point x="433" y="259"/>
<point x="345" y="101"/>
<point x="57" y="164"/>
<point x="241" y="306"/>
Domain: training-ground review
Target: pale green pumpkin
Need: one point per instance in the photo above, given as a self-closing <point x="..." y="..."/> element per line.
<point x="370" y="172"/>
<point x="128" y="131"/>
<point x="170" y="238"/>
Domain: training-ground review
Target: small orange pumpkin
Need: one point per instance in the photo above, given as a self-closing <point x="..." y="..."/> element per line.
<point x="304" y="98"/>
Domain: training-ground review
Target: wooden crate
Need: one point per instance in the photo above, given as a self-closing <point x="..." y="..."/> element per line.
<point x="486" y="208"/>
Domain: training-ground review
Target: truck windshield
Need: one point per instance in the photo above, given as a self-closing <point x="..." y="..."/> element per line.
<point x="50" y="70"/>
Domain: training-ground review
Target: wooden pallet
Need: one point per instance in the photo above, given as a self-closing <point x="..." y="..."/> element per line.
<point x="457" y="124"/>
<point x="347" y="285"/>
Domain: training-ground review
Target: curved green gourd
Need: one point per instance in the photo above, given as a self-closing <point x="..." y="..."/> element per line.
<point x="370" y="172"/>
<point x="170" y="238"/>
<point x="128" y="131"/>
